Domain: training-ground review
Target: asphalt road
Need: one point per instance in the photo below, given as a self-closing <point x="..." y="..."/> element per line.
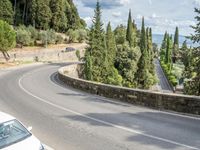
<point x="67" y="119"/>
<point x="163" y="82"/>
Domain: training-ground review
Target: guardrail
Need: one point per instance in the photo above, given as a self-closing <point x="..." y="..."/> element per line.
<point x="155" y="100"/>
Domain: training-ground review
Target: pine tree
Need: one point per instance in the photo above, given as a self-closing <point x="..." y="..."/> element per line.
<point x="176" y="45"/>
<point x="6" y="11"/>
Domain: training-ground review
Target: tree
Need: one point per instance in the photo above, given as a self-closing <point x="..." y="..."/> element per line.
<point x="96" y="49"/>
<point x="7" y="39"/>
<point x="163" y="47"/>
<point x="59" y="19"/>
<point x="176" y="45"/>
<point x="131" y="32"/>
<point x="6" y="11"/>
<point x="111" y="44"/>
<point x="43" y="14"/>
<point x="168" y="55"/>
<point x="194" y="84"/>
<point x="144" y="77"/>
<point x="120" y="34"/>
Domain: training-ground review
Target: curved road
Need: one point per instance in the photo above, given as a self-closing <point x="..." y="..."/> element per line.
<point x="67" y="119"/>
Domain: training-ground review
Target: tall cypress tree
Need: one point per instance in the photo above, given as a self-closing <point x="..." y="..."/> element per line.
<point x="176" y="45"/>
<point x="97" y="46"/>
<point x="6" y="11"/>
<point x="168" y="55"/>
<point x="143" y="72"/>
<point x="111" y="44"/>
<point x="131" y="32"/>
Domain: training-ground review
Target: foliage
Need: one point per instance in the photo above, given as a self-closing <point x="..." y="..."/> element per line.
<point x="23" y="36"/>
<point x="7" y="38"/>
<point x="176" y="45"/>
<point x="120" y="34"/>
<point x="6" y="11"/>
<point x="78" y="55"/>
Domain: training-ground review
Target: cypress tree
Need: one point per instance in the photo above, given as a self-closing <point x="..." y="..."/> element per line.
<point x="6" y="11"/>
<point x="176" y="45"/>
<point x="111" y="44"/>
<point x="131" y="32"/>
<point x="97" y="45"/>
<point x="168" y="55"/>
<point x="143" y="72"/>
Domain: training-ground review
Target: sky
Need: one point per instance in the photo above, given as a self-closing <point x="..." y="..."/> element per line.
<point x="160" y="15"/>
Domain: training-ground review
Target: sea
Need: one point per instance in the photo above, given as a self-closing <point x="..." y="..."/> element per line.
<point x="158" y="38"/>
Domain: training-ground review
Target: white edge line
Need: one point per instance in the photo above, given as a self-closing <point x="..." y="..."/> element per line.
<point x="47" y="147"/>
<point x="103" y="122"/>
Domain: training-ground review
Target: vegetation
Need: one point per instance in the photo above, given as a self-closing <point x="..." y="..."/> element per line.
<point x="192" y="61"/>
<point x="7" y="38"/>
<point x="123" y="57"/>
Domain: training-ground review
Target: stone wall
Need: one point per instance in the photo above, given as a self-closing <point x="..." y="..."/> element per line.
<point x="155" y="100"/>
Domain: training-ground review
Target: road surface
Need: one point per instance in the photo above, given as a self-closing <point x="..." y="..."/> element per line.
<point x="68" y="119"/>
<point x="164" y="85"/>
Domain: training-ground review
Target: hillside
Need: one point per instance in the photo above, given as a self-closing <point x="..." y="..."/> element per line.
<point x="60" y="15"/>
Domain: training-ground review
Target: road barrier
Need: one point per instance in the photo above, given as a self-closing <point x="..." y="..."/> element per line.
<point x="155" y="100"/>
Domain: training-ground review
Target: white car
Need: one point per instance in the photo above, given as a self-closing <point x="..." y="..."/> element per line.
<point x="14" y="136"/>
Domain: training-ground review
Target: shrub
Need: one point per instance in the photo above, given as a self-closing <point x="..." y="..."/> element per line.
<point x="78" y="55"/>
<point x="82" y="35"/>
<point x="73" y="36"/>
<point x="59" y="39"/>
<point x="23" y="37"/>
<point x="34" y="33"/>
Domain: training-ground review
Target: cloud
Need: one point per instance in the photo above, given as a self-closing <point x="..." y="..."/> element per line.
<point x="150" y="2"/>
<point x="116" y="14"/>
<point x="88" y="20"/>
<point x="196" y="2"/>
<point x="105" y="4"/>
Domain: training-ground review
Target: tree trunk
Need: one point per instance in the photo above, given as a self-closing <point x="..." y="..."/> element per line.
<point x="6" y="56"/>
<point x="15" y="5"/>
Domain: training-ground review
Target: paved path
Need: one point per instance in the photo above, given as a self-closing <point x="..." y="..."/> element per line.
<point x="163" y="84"/>
<point x="67" y="119"/>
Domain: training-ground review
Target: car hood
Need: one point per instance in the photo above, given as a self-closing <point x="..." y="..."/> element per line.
<point x="31" y="143"/>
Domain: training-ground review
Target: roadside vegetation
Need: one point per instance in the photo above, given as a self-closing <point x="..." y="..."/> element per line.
<point x="182" y="64"/>
<point x="121" y="57"/>
<point x="42" y="22"/>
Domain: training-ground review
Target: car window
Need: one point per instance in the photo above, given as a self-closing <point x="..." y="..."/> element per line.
<point x="12" y="132"/>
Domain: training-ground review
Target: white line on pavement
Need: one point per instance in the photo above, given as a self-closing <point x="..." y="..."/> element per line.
<point x="103" y="122"/>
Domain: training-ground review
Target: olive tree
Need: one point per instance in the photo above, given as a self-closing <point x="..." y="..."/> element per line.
<point x="7" y="39"/>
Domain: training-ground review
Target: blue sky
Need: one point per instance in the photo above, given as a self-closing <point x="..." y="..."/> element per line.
<point x="161" y="15"/>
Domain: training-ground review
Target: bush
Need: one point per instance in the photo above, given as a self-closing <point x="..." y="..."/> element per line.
<point x="59" y="39"/>
<point x="23" y="37"/>
<point x="34" y="33"/>
<point x="82" y="35"/>
<point x="78" y="55"/>
<point x="73" y="36"/>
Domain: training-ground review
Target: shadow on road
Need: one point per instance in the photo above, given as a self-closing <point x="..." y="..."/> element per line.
<point x="177" y="129"/>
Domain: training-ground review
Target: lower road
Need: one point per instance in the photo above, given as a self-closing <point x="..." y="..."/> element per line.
<point x="163" y="82"/>
<point x="68" y="119"/>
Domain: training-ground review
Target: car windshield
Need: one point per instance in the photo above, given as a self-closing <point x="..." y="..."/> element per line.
<point x="12" y="132"/>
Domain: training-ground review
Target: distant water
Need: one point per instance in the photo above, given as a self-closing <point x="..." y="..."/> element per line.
<point x="158" y="38"/>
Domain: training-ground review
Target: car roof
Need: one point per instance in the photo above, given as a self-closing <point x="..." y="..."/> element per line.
<point x="5" y="117"/>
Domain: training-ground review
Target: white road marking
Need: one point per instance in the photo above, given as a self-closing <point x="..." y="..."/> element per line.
<point x="104" y="122"/>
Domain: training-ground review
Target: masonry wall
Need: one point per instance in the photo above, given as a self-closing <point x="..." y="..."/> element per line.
<point x="155" y="100"/>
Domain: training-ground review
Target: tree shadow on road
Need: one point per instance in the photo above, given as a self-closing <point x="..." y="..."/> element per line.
<point x="155" y="129"/>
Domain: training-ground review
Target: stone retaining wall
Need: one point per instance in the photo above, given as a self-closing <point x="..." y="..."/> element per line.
<point x="156" y="100"/>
